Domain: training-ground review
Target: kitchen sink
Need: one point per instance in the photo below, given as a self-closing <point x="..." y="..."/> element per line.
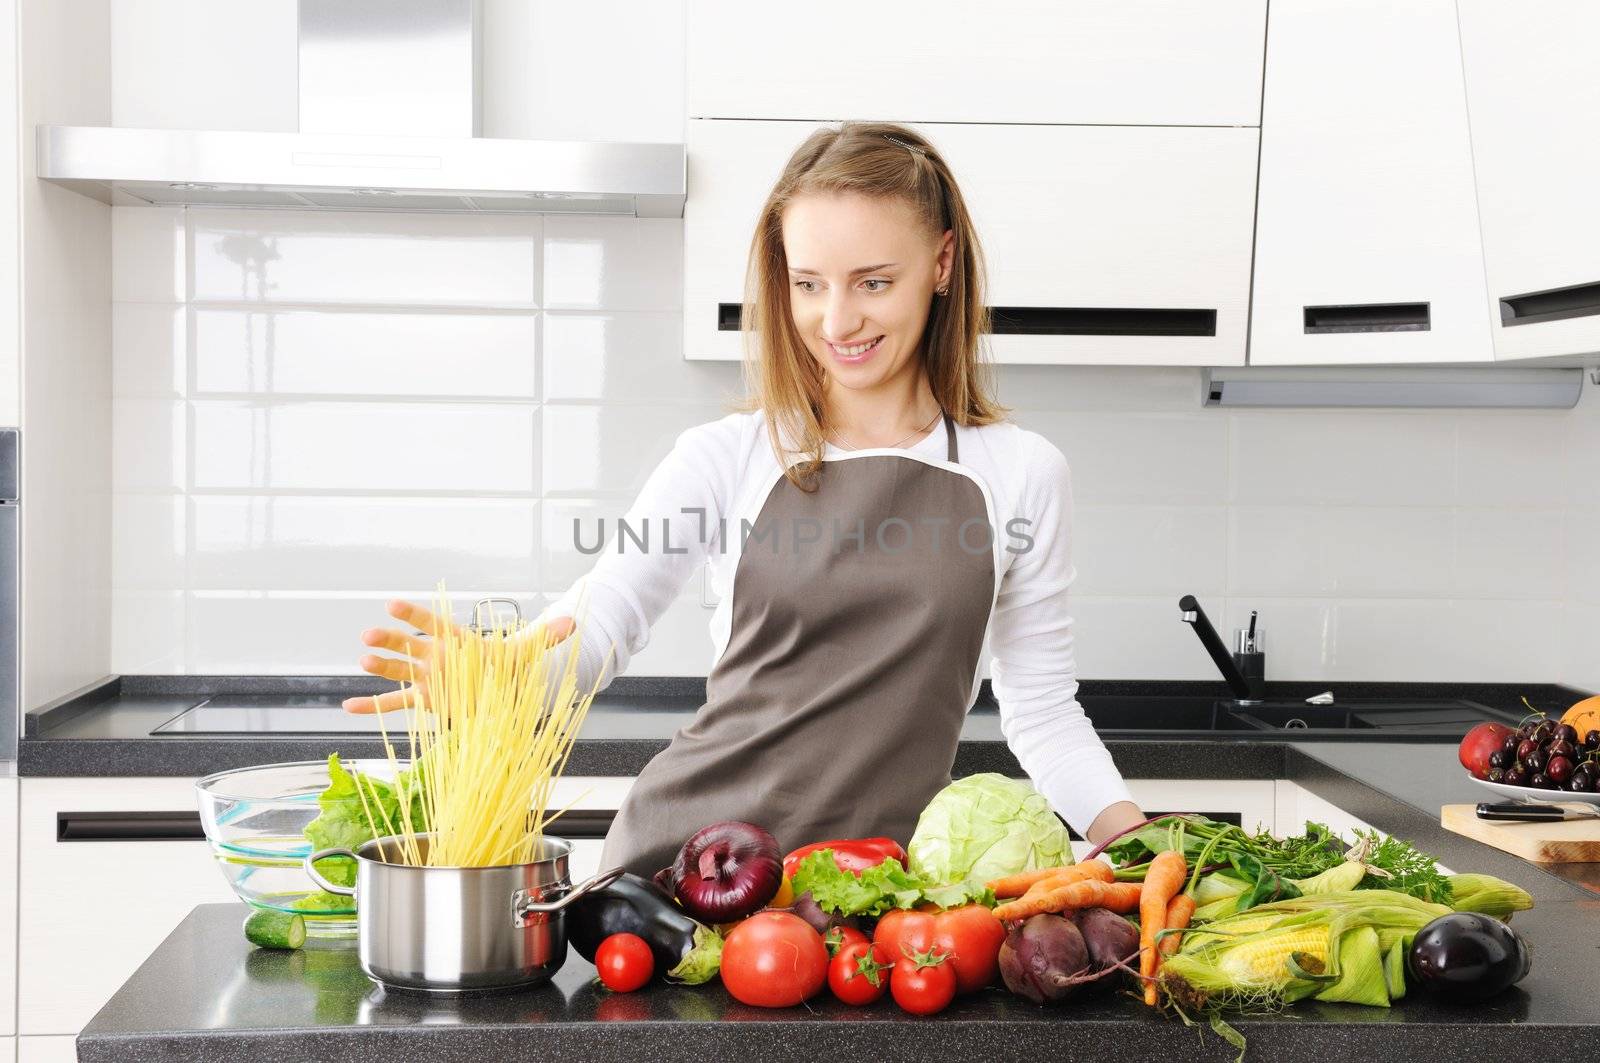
<point x="1355" y="719"/>
<point x="1132" y="713"/>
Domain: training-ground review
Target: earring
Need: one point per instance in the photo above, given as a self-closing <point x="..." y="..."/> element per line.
<point x="941" y="291"/>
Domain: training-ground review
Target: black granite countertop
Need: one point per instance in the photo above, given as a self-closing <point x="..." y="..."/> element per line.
<point x="105" y="729"/>
<point x="205" y="995"/>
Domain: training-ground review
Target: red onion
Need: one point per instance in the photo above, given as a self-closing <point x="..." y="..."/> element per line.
<point x="727" y="871"/>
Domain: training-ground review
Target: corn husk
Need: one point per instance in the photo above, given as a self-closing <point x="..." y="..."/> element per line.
<point x="1488" y="895"/>
<point x="1346" y="945"/>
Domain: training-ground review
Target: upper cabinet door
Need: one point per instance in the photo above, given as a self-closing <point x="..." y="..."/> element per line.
<point x="1533" y="93"/>
<point x="1142" y="62"/>
<point x="1104" y="245"/>
<point x="1367" y="243"/>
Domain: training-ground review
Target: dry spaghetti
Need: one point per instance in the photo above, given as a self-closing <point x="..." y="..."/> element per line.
<point x="503" y="711"/>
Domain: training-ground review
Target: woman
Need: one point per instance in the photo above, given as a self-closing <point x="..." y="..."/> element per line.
<point x="860" y="576"/>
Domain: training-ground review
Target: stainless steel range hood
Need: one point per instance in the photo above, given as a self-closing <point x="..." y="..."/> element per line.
<point x="389" y="116"/>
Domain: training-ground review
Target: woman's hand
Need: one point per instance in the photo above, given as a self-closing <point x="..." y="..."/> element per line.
<point x="1113" y="820"/>
<point x="419" y="655"/>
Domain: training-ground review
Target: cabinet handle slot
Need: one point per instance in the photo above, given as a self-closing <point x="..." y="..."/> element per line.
<point x="1368" y="317"/>
<point x="1065" y="321"/>
<point x="1557" y="304"/>
<point x="582" y="823"/>
<point x="128" y="826"/>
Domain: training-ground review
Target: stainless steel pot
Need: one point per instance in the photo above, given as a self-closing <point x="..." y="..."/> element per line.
<point x="450" y="929"/>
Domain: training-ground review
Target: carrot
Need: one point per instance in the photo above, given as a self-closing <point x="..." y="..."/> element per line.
<point x="1179" y="912"/>
<point x="1161" y="883"/>
<point x="1019" y="884"/>
<point x="1085" y="893"/>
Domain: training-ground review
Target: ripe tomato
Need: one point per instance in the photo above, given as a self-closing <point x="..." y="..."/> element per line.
<point x="625" y="962"/>
<point x="1478" y="744"/>
<point x="970" y="936"/>
<point x="839" y="936"/>
<point x="774" y="960"/>
<point x="859" y="972"/>
<point x="923" y="983"/>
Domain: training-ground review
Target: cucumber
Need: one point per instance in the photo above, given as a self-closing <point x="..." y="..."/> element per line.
<point x="275" y="930"/>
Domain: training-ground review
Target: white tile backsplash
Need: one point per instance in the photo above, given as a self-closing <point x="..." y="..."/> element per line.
<point x="147" y="255"/>
<point x="286" y="542"/>
<point x="1510" y="553"/>
<point x="147" y="632"/>
<point x="257" y="632"/>
<point x="396" y="447"/>
<point x="1347" y="551"/>
<point x="147" y="444"/>
<point x="375" y="259"/>
<point x="598" y="263"/>
<point x="1150" y="549"/>
<point x="627" y="358"/>
<point x="149" y="541"/>
<point x="1339" y="457"/>
<point x="609" y="451"/>
<point x="148" y="353"/>
<point x="1510" y="459"/>
<point x="316" y="412"/>
<point x="365" y="353"/>
<point x="1133" y="458"/>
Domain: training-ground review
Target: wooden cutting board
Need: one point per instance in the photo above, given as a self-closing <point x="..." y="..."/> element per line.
<point x="1568" y="841"/>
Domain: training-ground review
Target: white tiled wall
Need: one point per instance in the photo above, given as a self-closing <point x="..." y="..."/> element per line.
<point x="316" y="412"/>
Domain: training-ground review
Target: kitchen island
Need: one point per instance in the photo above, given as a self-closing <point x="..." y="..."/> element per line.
<point x="206" y="995"/>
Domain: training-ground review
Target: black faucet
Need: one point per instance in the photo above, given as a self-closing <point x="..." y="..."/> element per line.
<point x="1244" y="690"/>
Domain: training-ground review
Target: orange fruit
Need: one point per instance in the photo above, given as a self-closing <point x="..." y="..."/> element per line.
<point x="1584" y="716"/>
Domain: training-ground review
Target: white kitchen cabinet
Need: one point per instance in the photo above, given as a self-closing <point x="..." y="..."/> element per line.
<point x="8" y="1049"/>
<point x="1146" y="62"/>
<point x="1252" y="799"/>
<point x="1367" y="242"/>
<point x="1296" y="806"/>
<point x="8" y="907"/>
<point x="1534" y="101"/>
<point x="90" y="911"/>
<point x="589" y="792"/>
<point x="47" y="1050"/>
<point x="1104" y="245"/>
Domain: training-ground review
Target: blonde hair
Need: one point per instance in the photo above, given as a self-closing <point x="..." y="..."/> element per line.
<point x="881" y="160"/>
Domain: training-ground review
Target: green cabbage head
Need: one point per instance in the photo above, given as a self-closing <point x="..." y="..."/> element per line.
<point x="985" y="826"/>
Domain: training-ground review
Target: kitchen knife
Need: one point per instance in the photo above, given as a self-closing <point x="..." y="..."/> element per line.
<point x="1515" y="810"/>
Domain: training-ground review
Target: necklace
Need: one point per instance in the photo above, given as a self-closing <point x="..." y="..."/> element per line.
<point x="851" y="446"/>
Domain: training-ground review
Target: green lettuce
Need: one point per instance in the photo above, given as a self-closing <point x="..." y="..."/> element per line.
<point x="878" y="888"/>
<point x="984" y="827"/>
<point x="342" y="821"/>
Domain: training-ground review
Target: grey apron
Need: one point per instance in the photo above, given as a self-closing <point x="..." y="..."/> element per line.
<point x="859" y="612"/>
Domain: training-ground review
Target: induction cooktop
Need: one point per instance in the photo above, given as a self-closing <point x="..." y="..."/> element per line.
<point x="277" y="714"/>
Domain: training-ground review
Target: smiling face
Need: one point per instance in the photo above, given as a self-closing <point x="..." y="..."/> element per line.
<point x="862" y="274"/>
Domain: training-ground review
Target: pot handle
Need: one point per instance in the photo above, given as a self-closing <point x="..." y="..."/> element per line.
<point x="522" y="907"/>
<point x="316" y="876"/>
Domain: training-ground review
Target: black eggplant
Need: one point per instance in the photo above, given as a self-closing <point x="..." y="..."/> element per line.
<point x="1467" y="956"/>
<point x="689" y="951"/>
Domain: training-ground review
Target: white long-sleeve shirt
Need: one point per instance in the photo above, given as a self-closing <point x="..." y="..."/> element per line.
<point x="689" y="513"/>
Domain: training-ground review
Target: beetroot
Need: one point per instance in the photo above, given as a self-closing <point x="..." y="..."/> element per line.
<point x="1040" y="958"/>
<point x="1049" y="956"/>
<point x="1111" y="938"/>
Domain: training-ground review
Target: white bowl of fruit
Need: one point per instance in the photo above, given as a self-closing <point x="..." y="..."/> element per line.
<point x="1544" y="760"/>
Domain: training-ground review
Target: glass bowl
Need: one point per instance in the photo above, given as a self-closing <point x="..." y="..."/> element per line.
<point x="255" y="821"/>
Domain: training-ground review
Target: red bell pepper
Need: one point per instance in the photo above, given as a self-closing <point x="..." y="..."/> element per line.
<point x="851" y="854"/>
